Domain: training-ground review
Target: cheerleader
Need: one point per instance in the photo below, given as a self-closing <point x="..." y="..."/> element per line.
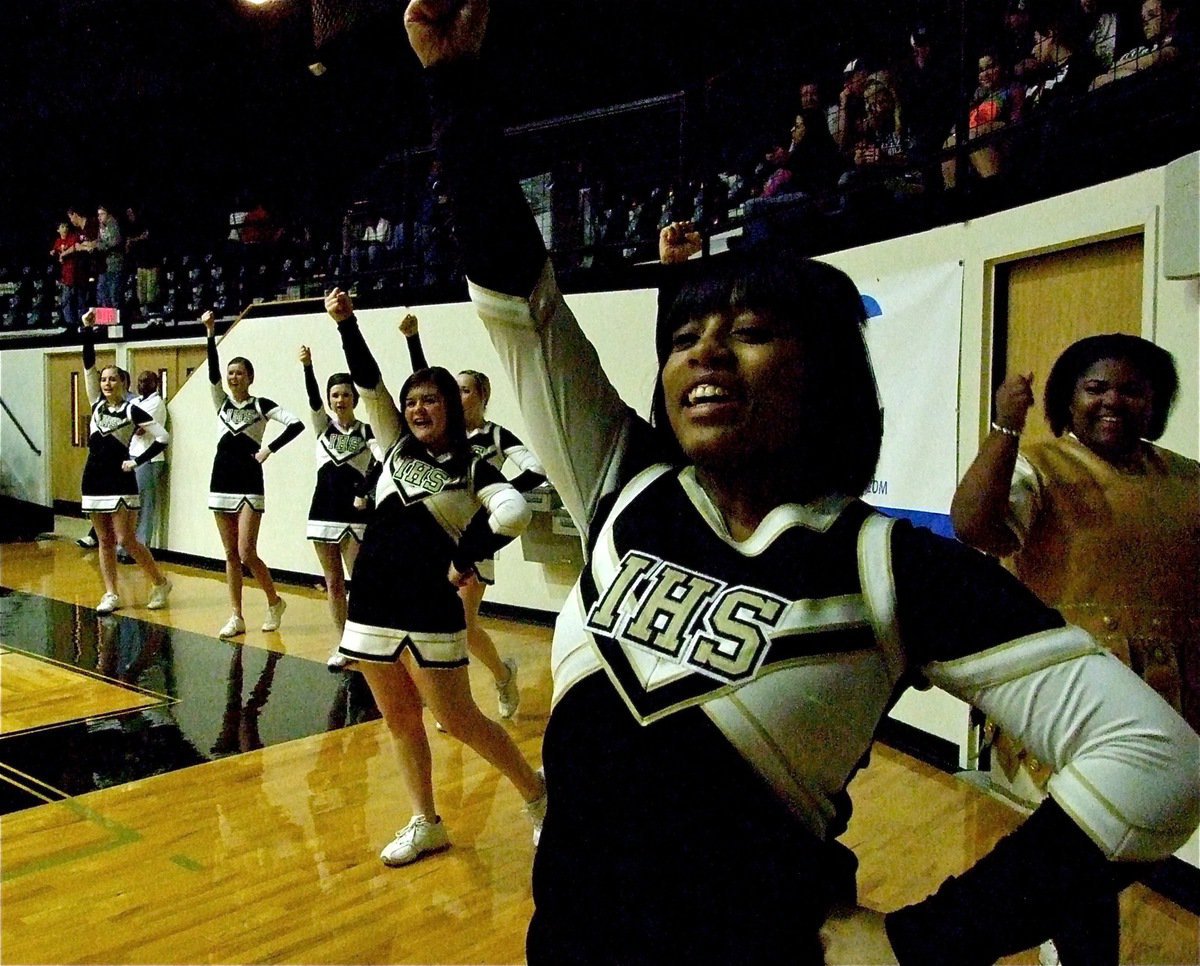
<point x="495" y="444"/>
<point x="439" y="510"/>
<point x="346" y="453"/>
<point x="745" y="621"/>
<point x="110" y="492"/>
<point x="236" y="488"/>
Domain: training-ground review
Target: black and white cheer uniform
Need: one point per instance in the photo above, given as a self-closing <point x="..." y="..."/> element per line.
<point x="237" y="477"/>
<point x="429" y="512"/>
<point x="713" y="698"/>
<point x="106" y="487"/>
<point x="345" y="457"/>
<point x="495" y="444"/>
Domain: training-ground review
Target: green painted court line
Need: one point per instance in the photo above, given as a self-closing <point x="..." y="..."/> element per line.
<point x="184" y="862"/>
<point x="119" y="835"/>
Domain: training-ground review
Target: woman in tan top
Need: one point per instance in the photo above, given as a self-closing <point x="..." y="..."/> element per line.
<point x="1102" y="525"/>
<point x="1099" y="522"/>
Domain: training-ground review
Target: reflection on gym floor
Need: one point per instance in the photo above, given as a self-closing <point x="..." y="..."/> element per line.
<point x="139" y="698"/>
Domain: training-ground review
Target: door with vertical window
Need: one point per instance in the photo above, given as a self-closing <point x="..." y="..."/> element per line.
<point x="70" y="415"/>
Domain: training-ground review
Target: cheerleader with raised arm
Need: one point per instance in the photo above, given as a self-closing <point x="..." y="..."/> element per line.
<point x="110" y="492"/>
<point x="439" y="510"/>
<point x="745" y="620"/>
<point x="346" y="453"/>
<point x="497" y="445"/>
<point x="236" y="490"/>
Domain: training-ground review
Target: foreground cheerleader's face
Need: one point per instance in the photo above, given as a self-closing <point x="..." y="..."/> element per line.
<point x="734" y="388"/>
<point x="341" y="401"/>
<point x="472" y="400"/>
<point x="425" y="414"/>
<point x="111" y="384"/>
<point x="1111" y="408"/>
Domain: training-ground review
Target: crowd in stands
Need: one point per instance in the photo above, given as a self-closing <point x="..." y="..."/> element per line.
<point x="888" y="141"/>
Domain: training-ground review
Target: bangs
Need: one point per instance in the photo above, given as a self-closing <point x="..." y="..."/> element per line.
<point x="785" y="287"/>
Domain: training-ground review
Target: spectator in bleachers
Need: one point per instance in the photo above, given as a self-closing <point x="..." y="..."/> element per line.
<point x="1164" y="42"/>
<point x="1016" y="41"/>
<point x="996" y="103"/>
<point x="85" y="265"/>
<point x="809" y="92"/>
<point x="1066" y="64"/>
<point x="63" y="251"/>
<point x="110" y="247"/>
<point x="927" y="90"/>
<point x="881" y="153"/>
<point x="807" y="171"/>
<point x="1101" y="32"/>
<point x="851" y="107"/>
<point x="375" y="239"/>
<point x="258" y="227"/>
<point x="141" y="260"/>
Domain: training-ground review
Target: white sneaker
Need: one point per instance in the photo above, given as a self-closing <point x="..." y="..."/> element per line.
<point x="158" y="596"/>
<point x="233" y="627"/>
<point x="508" y="694"/>
<point x="417" y="838"/>
<point x="535" y="811"/>
<point x="274" y="615"/>
<point x="337" y="661"/>
<point x="108" y="603"/>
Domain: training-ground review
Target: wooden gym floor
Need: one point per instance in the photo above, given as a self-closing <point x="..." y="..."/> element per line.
<point x="167" y="797"/>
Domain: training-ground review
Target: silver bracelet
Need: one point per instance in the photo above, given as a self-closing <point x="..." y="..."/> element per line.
<point x="1014" y="433"/>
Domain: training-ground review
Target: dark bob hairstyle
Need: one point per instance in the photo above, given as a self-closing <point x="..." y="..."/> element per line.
<point x="341" y="379"/>
<point x="445" y="383"/>
<point x="1154" y="363"/>
<point x="838" y="447"/>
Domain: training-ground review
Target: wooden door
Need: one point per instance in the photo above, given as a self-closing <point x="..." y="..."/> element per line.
<point x="191" y="359"/>
<point x="70" y="414"/>
<point x="173" y="364"/>
<point x="1059" y="298"/>
<point x="162" y="361"/>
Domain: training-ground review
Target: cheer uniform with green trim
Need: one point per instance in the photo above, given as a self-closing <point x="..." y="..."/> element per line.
<point x="430" y="511"/>
<point x="106" y="486"/>
<point x="346" y="456"/>
<point x="713" y="698"/>
<point x="237" y="477"/>
<point x="495" y="444"/>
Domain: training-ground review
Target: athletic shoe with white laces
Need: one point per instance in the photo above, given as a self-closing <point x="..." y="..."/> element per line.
<point x="108" y="603"/>
<point x="337" y="661"/>
<point x="419" y="837"/>
<point x="508" y="695"/>
<point x="87" y="541"/>
<point x="535" y="811"/>
<point x="233" y="627"/>
<point x="274" y="615"/>
<point x="158" y="596"/>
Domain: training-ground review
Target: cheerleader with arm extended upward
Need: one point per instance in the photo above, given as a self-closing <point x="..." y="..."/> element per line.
<point x="236" y="490"/>
<point x="109" y="487"/>
<point x="497" y="445"/>
<point x="439" y="510"/>
<point x="745" y="620"/>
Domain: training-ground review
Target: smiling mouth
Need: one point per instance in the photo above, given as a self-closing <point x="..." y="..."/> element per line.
<point x="707" y="394"/>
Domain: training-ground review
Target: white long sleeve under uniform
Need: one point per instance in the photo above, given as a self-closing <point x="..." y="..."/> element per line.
<point x="713" y="698"/>
<point x="429" y="512"/>
<point x="237" y="477"/>
<point x="106" y="486"/>
<point x="346" y="456"/>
